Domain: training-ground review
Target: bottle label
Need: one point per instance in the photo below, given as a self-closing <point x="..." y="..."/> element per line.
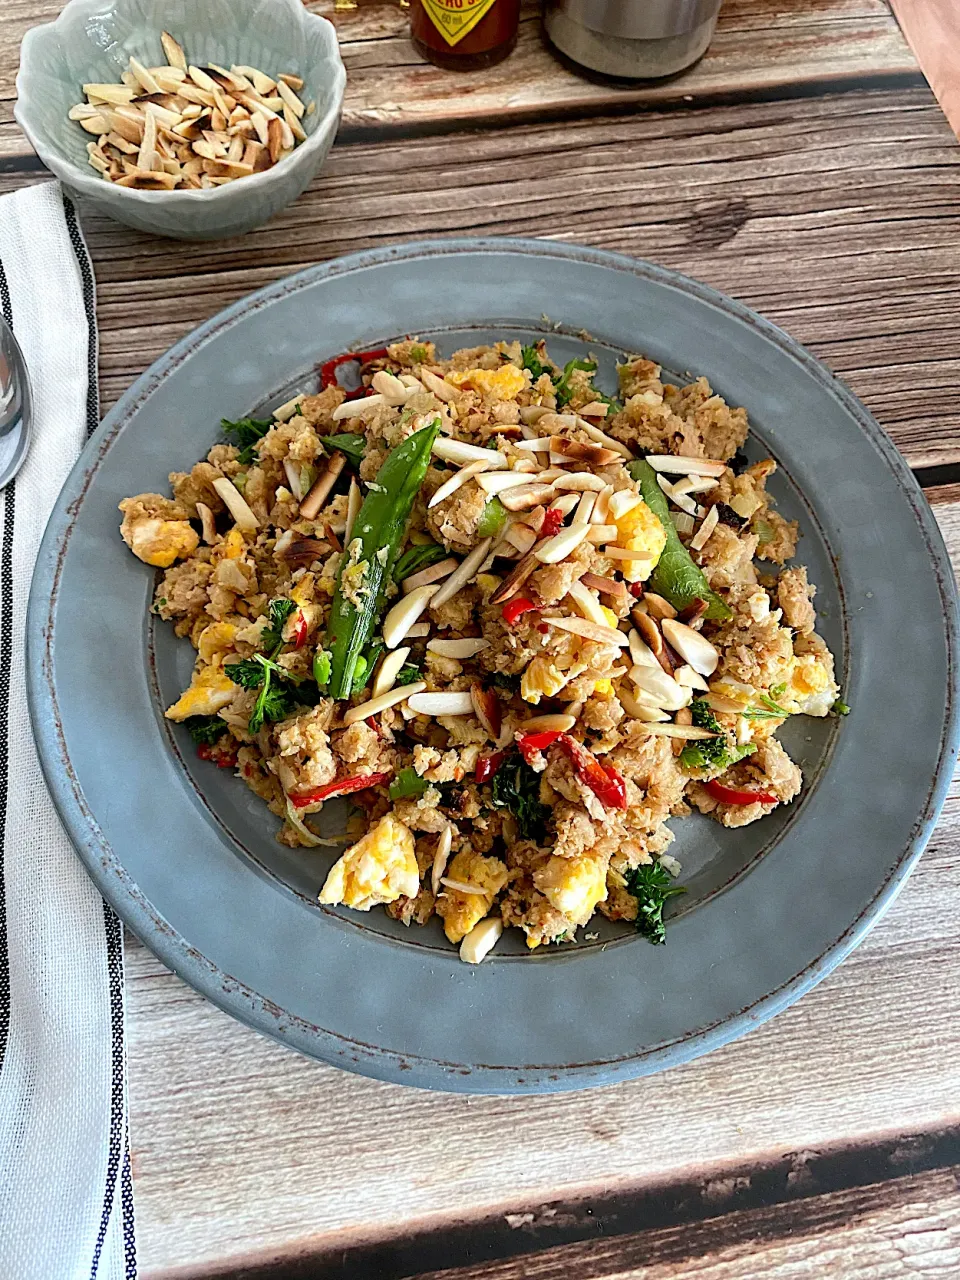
<point x="456" y="18"/>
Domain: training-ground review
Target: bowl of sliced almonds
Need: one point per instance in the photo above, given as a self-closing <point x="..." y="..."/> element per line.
<point x="185" y="120"/>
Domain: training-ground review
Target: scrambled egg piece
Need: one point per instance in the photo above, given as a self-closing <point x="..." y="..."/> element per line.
<point x="603" y="688"/>
<point x="215" y="641"/>
<point x="810" y="690"/>
<point x="542" y="679"/>
<point x="209" y="691"/>
<point x="379" y="868"/>
<point x="230" y="547"/>
<point x="156" y="541"/>
<point x="574" y="885"/>
<point x="640" y="530"/>
<point x="504" y="383"/>
<point x="461" y="911"/>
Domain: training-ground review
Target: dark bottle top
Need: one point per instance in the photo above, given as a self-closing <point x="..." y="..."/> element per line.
<point x="464" y="35"/>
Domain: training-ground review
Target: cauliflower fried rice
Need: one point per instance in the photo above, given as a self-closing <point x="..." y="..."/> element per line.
<point x="520" y="624"/>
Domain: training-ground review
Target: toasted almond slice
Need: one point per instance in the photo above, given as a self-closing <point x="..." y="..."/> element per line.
<point x="274" y="138"/>
<point x="440" y="858"/>
<point x="559" y="723"/>
<point x="587" y="603"/>
<point x="192" y="93"/>
<point x="580" y="482"/>
<point x="97" y="159"/>
<point x="640" y="651"/>
<point x="686" y="675"/>
<point x="95" y="124"/>
<point x="680" y="499"/>
<point x="520" y="536"/>
<point x="584" y="508"/>
<point x="389" y="670"/>
<point x="691" y="646"/>
<point x="163" y="116"/>
<point x="621" y="502"/>
<point x="252" y="152"/>
<point x="318" y="495"/>
<point x="525" y="497"/>
<point x="595" y="409"/>
<point x="464" y="574"/>
<point x="602" y="532"/>
<point x="459" y="649"/>
<point x="287" y="140"/>
<point x="355" y="408"/>
<point x="419" y="631"/>
<point x="606" y="586"/>
<point x="173" y="51"/>
<point x="120" y="95"/>
<point x="621" y="553"/>
<point x="403" y="615"/>
<point x="290" y="98"/>
<point x="261" y="124"/>
<point x="463" y="886"/>
<point x="481" y="940"/>
<point x="542" y="444"/>
<point x="565" y="503"/>
<point x="515" y="579"/>
<point x="143" y="76"/>
<point x="580" y="451"/>
<point x="678" y="464"/>
<point x="82" y="111"/>
<point x="288" y="408"/>
<point x="235" y="502"/>
<point x="433" y="573"/>
<point x="385" y="700"/>
<point x="589" y="630"/>
<point x="638" y="710"/>
<point x="168" y="78"/>
<point x="461" y="454"/>
<point x="456" y="481"/>
<point x="354" y="501"/>
<point x="663" y="688"/>
<point x="602" y="438"/>
<point x="144" y="181"/>
<point x="391" y="388"/>
<point x="288" y="78"/>
<point x="147" y="156"/>
<point x="218" y="123"/>
<point x="688" y="732"/>
<point x="229" y="80"/>
<point x="261" y="82"/>
<point x="487" y="709"/>
<point x="496" y="481"/>
<point x="227" y="169"/>
<point x="702" y="536"/>
<point x="561" y="544"/>
<point x="657" y="607"/>
<point x="202" y="80"/>
<point x="207" y="522"/>
<point x="440" y="388"/>
<point x="440" y="704"/>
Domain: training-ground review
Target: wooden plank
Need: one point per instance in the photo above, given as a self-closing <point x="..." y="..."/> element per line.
<point x="838" y="221"/>
<point x="759" y="46"/>
<point x="874" y="1050"/>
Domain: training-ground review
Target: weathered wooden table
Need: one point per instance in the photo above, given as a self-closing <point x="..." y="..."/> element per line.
<point x="805" y="168"/>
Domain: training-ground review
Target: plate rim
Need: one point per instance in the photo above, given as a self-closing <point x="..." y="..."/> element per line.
<point x="242" y="1001"/>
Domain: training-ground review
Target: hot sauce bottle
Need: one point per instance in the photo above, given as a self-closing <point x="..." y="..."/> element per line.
<point x="464" y="35"/>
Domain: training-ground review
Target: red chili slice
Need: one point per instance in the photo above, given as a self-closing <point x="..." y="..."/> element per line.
<point x="514" y="608"/>
<point x="222" y="759"/>
<point x="487" y="766"/>
<point x="339" y="787"/>
<point x="531" y="744"/>
<point x="602" y="779"/>
<point x="300" y="632"/>
<point x="739" y="795"/>
<point x="328" y="370"/>
<point x="552" y="520"/>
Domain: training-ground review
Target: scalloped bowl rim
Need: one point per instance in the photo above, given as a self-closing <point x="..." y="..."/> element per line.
<point x="70" y="172"/>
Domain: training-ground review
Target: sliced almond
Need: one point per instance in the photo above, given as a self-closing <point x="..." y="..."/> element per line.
<point x="295" y="82"/>
<point x="442" y="389"/>
<point x="520" y="537"/>
<point x="621" y="502"/>
<point x="481" y="940"/>
<point x="524" y="497"/>
<point x="433" y="573"/>
<point x="318" y="495"/>
<point x="144" y="181"/>
<point x="355" y="408"/>
<point x="622" y="553"/>
<point x="688" y="732"/>
<point x="581" y="451"/>
<point x="441" y="857"/>
<point x="118" y="94"/>
<point x="385" y="700"/>
<point x="579" y="482"/>
<point x="464" y="574"/>
<point x="558" y="723"/>
<point x="710" y="522"/>
<point x="562" y="544"/>
<point x="663" y="688"/>
<point x="602" y="532"/>
<point x="143" y="76"/>
<point x="657" y="606"/>
<point x="515" y="579"/>
<point x="441" y="704"/>
<point x="487" y="709"/>
<point x="638" y="710"/>
<point x="462" y="454"/>
<point x="691" y="646"/>
<point x="403" y="615"/>
<point x="566" y="504"/>
<point x="589" y="630"/>
<point x="459" y="649"/>
<point x="686" y="675"/>
<point x="457" y="481"/>
<point x="173" y="51"/>
<point x="463" y="886"/>
<point x="640" y="651"/>
<point x="595" y="409"/>
<point x="236" y="504"/>
<point x="389" y="670"/>
<point x="686" y="466"/>
<point x="495" y="482"/>
<point x="606" y="586"/>
<point x="601" y="438"/>
<point x="274" y="138"/>
<point x="290" y="98"/>
<point x="584" y="508"/>
<point x="587" y="603"/>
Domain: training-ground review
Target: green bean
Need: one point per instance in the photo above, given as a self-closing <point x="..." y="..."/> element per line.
<point x="379" y="527"/>
<point x="676" y="577"/>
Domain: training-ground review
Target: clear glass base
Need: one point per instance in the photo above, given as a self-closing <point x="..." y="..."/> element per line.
<point x="627" y="59"/>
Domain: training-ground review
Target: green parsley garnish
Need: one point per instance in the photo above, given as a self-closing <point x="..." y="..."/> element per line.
<point x="516" y="787"/>
<point x="205" y="729"/>
<point x="712" y="753"/>
<point x="246" y="432"/>
<point x="562" y="385"/>
<point x="651" y="886"/>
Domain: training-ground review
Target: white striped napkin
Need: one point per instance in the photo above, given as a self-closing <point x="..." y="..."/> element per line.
<point x="66" y="1199"/>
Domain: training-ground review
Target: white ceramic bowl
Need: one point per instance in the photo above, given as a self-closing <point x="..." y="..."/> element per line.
<point x="92" y="41"/>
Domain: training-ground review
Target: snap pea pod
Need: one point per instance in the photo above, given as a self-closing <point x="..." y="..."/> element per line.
<point x="380" y="526"/>
<point x="676" y="577"/>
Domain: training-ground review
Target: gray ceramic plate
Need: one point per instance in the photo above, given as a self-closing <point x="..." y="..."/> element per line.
<point x="187" y="855"/>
